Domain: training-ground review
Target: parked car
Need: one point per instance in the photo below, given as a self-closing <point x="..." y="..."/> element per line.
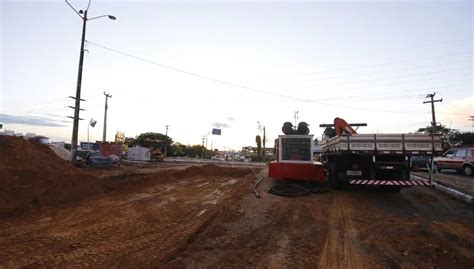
<point x="461" y="159"/>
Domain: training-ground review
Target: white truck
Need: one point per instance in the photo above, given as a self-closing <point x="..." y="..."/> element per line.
<point x="373" y="159"/>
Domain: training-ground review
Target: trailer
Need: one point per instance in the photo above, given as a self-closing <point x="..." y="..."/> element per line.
<point x="374" y="159"/>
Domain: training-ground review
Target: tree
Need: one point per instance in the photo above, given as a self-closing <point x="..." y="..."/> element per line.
<point x="145" y="138"/>
<point x="448" y="135"/>
<point x="178" y="149"/>
<point x="154" y="136"/>
<point x="195" y="151"/>
<point x="466" y="138"/>
<point x="130" y="141"/>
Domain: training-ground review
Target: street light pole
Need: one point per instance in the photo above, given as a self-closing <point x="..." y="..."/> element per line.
<point x="75" y="126"/>
<point x="77" y="104"/>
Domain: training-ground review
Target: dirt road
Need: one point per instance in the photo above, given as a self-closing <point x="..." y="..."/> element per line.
<point x="191" y="219"/>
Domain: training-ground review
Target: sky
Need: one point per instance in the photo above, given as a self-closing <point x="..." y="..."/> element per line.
<point x="235" y="65"/>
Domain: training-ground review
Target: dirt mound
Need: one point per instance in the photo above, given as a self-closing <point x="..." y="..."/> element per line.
<point x="31" y="174"/>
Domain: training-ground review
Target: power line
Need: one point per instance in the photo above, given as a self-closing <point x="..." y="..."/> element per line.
<point x="362" y="66"/>
<point x="386" y="84"/>
<point x="194" y="74"/>
<point x="393" y="92"/>
<point x="410" y="48"/>
<point x="244" y="87"/>
<point x="378" y="79"/>
<point x="379" y="72"/>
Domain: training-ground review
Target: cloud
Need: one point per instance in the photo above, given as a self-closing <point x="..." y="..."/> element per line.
<point x="31" y="120"/>
<point x="230" y="118"/>
<point x="220" y="125"/>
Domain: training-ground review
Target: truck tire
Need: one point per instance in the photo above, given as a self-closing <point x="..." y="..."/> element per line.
<point x="333" y="183"/>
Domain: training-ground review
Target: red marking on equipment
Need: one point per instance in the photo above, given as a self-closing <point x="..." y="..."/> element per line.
<point x="296" y="171"/>
<point x="390" y="182"/>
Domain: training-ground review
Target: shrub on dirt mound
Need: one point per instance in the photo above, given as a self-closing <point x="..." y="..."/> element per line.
<point x="213" y="170"/>
<point x="31" y="174"/>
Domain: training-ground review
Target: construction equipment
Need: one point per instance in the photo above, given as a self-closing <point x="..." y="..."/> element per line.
<point x="294" y="155"/>
<point x="373" y="159"/>
<point x="157" y="149"/>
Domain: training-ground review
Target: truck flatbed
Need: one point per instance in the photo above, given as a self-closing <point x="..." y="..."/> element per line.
<point x="400" y="144"/>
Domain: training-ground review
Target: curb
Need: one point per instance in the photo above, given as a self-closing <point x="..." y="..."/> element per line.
<point x="455" y="193"/>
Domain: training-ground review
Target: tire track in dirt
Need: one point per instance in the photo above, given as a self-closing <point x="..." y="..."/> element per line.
<point x="341" y="249"/>
<point x="270" y="232"/>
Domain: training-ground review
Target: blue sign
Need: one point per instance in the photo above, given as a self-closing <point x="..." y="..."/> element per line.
<point x="216" y="131"/>
<point x="89" y="145"/>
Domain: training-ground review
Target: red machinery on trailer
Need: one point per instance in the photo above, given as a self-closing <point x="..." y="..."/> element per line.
<point x="294" y="156"/>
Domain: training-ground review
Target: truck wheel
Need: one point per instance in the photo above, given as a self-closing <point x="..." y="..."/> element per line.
<point x="467" y="169"/>
<point x="333" y="176"/>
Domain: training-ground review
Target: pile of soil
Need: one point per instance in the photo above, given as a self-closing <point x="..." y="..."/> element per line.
<point x="31" y="175"/>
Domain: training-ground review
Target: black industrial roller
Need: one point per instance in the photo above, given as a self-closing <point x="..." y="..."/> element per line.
<point x="287" y="128"/>
<point x="303" y="128"/>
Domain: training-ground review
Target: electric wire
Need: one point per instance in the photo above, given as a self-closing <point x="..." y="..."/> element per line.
<point x="362" y="66"/>
<point x="377" y="79"/>
<point x="408" y="48"/>
<point x="378" y="72"/>
<point x="364" y="87"/>
<point x="245" y="87"/>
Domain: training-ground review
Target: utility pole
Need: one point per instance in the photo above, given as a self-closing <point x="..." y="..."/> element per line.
<point x="104" y="136"/>
<point x="203" y="148"/>
<point x="432" y="101"/>
<point x="77" y="103"/>
<point x="433" y="123"/>
<point x="166" y="148"/>
<point x="75" y="127"/>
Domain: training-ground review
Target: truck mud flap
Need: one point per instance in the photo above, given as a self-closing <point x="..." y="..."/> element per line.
<point x="418" y="182"/>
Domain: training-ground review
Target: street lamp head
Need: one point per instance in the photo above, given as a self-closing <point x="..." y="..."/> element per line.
<point x="112" y="17"/>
